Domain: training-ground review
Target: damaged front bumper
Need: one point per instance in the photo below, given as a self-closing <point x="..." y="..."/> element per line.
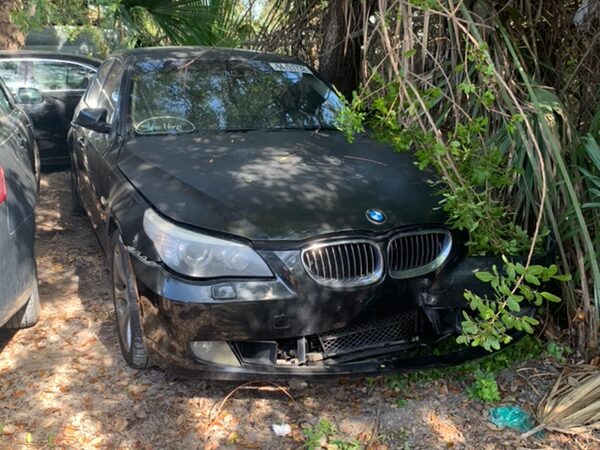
<point x="292" y="326"/>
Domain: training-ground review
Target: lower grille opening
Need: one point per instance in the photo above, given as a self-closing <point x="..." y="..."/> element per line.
<point x="402" y="329"/>
<point x="399" y="329"/>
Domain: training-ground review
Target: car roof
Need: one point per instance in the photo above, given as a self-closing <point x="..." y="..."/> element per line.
<point x="202" y="53"/>
<point x="59" y="56"/>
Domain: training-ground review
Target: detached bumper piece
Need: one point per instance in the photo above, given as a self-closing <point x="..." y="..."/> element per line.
<point x="375" y="338"/>
<point x="350" y="342"/>
<point x="401" y="343"/>
<point x="398" y="330"/>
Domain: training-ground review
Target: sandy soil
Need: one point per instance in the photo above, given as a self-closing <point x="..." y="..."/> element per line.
<point x="63" y="383"/>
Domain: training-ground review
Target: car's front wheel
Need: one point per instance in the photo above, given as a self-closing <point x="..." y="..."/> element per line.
<point x="127" y="310"/>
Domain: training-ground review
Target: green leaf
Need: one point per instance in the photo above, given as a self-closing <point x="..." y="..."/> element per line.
<point x="566" y="277"/>
<point x="467" y="87"/>
<point x="504" y="289"/>
<point x="511" y="272"/>
<point x="512" y="304"/>
<point x="527" y="328"/>
<point x="550" y="297"/>
<point x="530" y="278"/>
<point x="486" y="277"/>
<point x="531" y="320"/>
<point x="536" y="270"/>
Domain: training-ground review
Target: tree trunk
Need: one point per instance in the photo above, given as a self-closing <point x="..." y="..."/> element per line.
<point x="339" y="59"/>
<point x="11" y="38"/>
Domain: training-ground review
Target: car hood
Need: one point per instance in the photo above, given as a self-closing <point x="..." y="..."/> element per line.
<point x="278" y="185"/>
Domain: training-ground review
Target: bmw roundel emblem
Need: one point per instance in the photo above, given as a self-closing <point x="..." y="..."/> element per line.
<point x="375" y="216"/>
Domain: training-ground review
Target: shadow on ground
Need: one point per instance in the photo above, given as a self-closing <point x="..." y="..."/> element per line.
<point x="63" y="383"/>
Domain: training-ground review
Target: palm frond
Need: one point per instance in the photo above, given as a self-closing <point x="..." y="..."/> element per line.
<point x="187" y="22"/>
<point x="413" y="49"/>
<point x="573" y="404"/>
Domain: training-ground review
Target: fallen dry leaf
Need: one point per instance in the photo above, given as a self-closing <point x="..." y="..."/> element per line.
<point x="233" y="438"/>
<point x="96" y="441"/>
<point x="9" y="429"/>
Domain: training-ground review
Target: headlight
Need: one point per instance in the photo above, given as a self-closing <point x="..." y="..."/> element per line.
<point x="197" y="255"/>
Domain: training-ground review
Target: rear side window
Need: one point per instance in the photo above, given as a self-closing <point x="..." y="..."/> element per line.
<point x="12" y="72"/>
<point x="58" y="76"/>
<point x="5" y="107"/>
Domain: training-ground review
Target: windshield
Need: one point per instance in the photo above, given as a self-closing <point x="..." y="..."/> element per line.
<point x="184" y="96"/>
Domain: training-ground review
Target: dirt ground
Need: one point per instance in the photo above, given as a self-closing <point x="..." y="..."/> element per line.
<point x="63" y="383"/>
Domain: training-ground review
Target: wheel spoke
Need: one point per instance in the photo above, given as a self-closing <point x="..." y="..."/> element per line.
<point x="124" y="322"/>
<point x="123" y="297"/>
<point x="119" y="269"/>
<point x="128" y="335"/>
<point x="120" y="293"/>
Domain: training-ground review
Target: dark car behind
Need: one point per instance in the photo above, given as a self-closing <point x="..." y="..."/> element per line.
<point x="48" y="85"/>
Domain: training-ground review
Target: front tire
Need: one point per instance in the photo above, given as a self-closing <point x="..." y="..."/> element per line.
<point x="29" y="314"/>
<point x="127" y="310"/>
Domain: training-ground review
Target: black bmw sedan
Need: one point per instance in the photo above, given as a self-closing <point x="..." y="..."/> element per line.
<point x="245" y="235"/>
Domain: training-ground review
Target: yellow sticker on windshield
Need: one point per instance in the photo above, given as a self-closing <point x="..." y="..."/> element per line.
<point x="287" y="67"/>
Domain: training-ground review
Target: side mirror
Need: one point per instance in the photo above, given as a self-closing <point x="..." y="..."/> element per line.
<point x="93" y="119"/>
<point x="29" y="96"/>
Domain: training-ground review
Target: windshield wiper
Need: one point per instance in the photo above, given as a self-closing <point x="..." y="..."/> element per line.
<point x="239" y="130"/>
<point x="244" y="130"/>
<point x="300" y="128"/>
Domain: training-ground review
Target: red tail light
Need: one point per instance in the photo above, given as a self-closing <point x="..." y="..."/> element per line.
<point x="2" y="186"/>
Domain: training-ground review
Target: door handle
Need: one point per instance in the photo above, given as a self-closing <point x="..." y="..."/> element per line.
<point x="82" y="141"/>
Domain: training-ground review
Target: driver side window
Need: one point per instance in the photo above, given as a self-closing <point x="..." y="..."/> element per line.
<point x="109" y="94"/>
<point x="92" y="96"/>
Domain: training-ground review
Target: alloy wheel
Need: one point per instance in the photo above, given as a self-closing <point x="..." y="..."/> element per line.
<point x="123" y="297"/>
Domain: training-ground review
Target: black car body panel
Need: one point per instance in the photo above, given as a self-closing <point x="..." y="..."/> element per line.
<point x="285" y="194"/>
<point x="17" y="218"/>
<point x="62" y="79"/>
<point x="279" y="185"/>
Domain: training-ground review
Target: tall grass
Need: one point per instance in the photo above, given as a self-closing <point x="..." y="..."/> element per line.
<point x="416" y="47"/>
<point x="439" y="65"/>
